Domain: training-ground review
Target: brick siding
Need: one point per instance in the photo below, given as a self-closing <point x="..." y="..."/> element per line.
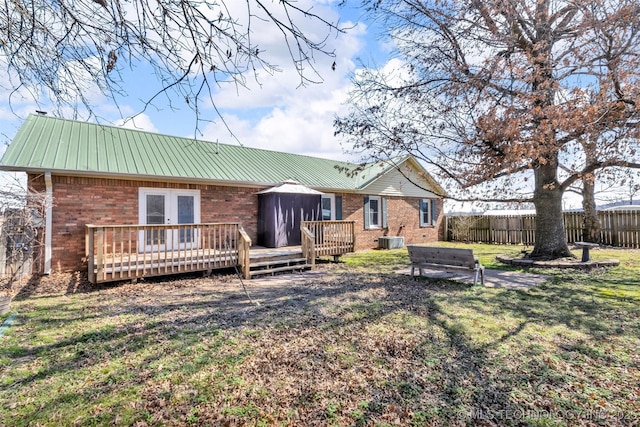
<point x="78" y="201"/>
<point x="403" y="219"/>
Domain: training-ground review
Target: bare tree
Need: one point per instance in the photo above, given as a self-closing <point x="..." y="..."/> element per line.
<point x="496" y="95"/>
<point x="58" y="49"/>
<point x="21" y="215"/>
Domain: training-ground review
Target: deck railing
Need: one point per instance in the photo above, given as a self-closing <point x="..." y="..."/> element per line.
<point x="244" y="245"/>
<point x="123" y="252"/>
<point x="329" y="238"/>
<point x="307" y="240"/>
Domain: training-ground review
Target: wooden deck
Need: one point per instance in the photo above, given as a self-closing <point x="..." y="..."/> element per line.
<point x="327" y="238"/>
<point x="130" y="252"/>
<point x="133" y="266"/>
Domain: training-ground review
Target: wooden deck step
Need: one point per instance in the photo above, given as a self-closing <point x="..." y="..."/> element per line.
<point x="292" y="268"/>
<point x="281" y="261"/>
<point x="277" y="261"/>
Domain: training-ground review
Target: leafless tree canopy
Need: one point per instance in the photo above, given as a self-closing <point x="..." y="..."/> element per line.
<point x="504" y="91"/>
<point x="61" y="47"/>
<point x="21" y="223"/>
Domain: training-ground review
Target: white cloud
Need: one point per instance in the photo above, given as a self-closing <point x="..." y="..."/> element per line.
<point x="274" y="113"/>
<point x="304" y="125"/>
<point x="139" y="122"/>
<point x="293" y="118"/>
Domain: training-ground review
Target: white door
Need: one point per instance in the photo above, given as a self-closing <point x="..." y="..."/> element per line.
<point x="328" y="207"/>
<point x="158" y="207"/>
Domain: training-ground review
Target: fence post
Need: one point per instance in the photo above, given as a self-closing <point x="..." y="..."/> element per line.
<point x="446" y="229"/>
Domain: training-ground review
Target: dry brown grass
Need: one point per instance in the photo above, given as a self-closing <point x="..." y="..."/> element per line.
<point x="347" y="347"/>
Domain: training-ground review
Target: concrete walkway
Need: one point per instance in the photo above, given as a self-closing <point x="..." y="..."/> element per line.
<point x="492" y="278"/>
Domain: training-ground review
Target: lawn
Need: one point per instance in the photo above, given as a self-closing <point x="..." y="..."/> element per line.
<point x="356" y="346"/>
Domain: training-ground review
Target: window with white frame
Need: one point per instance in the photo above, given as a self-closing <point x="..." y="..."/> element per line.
<point x="374" y="212"/>
<point x="328" y="207"/>
<point x="428" y="214"/>
<point x="375" y="215"/>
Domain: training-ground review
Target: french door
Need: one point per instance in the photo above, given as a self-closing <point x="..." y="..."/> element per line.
<point x="168" y="207"/>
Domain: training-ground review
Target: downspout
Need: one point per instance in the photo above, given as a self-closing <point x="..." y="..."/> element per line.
<point x="48" y="222"/>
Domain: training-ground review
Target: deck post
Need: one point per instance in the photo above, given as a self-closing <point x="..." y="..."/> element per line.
<point x="244" y="243"/>
<point x="89" y="246"/>
<point x="352" y="227"/>
<point x="101" y="273"/>
<point x="308" y="245"/>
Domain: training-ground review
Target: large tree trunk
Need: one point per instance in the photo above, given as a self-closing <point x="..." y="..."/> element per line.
<point x="591" y="229"/>
<point x="551" y="241"/>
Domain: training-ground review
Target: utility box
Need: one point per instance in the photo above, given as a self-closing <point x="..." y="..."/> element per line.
<point x="391" y="242"/>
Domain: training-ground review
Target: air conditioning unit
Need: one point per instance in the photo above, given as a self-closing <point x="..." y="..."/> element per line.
<point x="391" y="242"/>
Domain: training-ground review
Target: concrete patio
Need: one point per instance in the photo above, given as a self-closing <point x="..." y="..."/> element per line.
<point x="492" y="278"/>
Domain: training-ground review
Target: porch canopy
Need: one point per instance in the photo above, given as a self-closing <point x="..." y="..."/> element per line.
<point x="281" y="210"/>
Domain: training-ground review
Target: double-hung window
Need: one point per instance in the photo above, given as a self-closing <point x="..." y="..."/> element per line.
<point x="428" y="212"/>
<point x="375" y="212"/>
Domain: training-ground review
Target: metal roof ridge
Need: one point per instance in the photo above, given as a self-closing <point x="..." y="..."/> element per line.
<point x="182" y="138"/>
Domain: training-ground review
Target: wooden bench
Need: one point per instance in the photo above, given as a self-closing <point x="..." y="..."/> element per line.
<point x="446" y="259"/>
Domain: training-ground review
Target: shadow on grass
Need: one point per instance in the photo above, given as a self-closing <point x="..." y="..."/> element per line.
<point x="414" y="361"/>
<point x="579" y="303"/>
<point x="148" y="331"/>
<point x="78" y="283"/>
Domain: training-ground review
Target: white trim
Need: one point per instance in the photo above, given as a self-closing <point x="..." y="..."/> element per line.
<point x="142" y="204"/>
<point x="171" y="179"/>
<point x="379" y="210"/>
<point x="429" y="223"/>
<point x="171" y="197"/>
<point x="332" y="198"/>
<point x="48" y="222"/>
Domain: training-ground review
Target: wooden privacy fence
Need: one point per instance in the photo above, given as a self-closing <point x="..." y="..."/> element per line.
<point x="619" y="228"/>
<point x="121" y="252"/>
<point x="17" y="240"/>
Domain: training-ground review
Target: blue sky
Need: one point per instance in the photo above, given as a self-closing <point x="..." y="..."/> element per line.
<point x="279" y="115"/>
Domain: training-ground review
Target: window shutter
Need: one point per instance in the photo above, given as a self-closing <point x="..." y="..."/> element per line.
<point x="434" y="211"/>
<point x="383" y="202"/>
<point x="421" y="208"/>
<point x="339" y="208"/>
<point x="367" y="224"/>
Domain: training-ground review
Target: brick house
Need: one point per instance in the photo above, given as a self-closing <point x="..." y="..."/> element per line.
<point x="103" y="175"/>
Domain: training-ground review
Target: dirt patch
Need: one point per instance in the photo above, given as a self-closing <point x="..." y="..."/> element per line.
<point x="194" y="283"/>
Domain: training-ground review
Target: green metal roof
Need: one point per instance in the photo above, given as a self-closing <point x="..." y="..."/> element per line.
<point x="79" y="148"/>
<point x="59" y="145"/>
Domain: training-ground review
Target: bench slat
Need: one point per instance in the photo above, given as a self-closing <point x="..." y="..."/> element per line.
<point x="434" y="257"/>
<point x="449" y="256"/>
